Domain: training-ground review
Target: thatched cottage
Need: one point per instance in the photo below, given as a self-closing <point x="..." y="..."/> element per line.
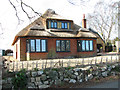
<point x="52" y="36"/>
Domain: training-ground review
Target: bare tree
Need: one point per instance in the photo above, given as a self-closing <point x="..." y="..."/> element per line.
<point x="22" y="5"/>
<point x="16" y="4"/>
<point x="104" y="19"/>
<point x="78" y="2"/>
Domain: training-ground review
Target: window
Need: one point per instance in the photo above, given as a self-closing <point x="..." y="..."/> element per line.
<point x="62" y="45"/>
<point x="69" y="25"/>
<point x="43" y="45"/>
<point x="66" y="25"/>
<point x="52" y="25"/>
<point x="32" y="44"/>
<point x="67" y="45"/>
<point x="62" y="25"/>
<point x="91" y="45"/>
<point x="55" y="24"/>
<point x="84" y="45"/>
<point x="58" y="24"/>
<point x="37" y="45"/>
<point x="58" y="45"/>
<point x="87" y="45"/>
<point x="79" y="45"/>
<point x="28" y="46"/>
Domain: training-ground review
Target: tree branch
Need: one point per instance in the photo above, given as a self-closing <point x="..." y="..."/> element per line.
<point x="24" y="4"/>
<point x="16" y="12"/>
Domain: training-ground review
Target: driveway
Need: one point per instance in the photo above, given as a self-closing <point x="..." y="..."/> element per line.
<point x="108" y="84"/>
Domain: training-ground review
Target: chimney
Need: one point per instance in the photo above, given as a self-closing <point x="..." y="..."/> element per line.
<point x="84" y="21"/>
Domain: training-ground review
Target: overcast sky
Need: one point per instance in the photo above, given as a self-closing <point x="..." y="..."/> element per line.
<point x="9" y="21"/>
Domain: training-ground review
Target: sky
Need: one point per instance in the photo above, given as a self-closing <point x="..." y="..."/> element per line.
<point x="9" y="23"/>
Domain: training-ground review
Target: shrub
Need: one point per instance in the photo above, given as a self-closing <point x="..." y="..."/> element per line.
<point x="117" y="68"/>
<point x="20" y="80"/>
<point x="36" y="69"/>
<point x="51" y="54"/>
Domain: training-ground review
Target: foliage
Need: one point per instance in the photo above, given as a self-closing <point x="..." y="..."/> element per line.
<point x="117" y="68"/>
<point x="116" y="39"/>
<point x="51" y="54"/>
<point x="20" y="80"/>
<point x="68" y="68"/>
<point x="36" y="69"/>
<point x="8" y="51"/>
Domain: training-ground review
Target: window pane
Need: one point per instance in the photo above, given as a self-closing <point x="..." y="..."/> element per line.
<point x="55" y="24"/>
<point x="62" y="25"/>
<point x="28" y="46"/>
<point x="48" y="24"/>
<point x="43" y="45"/>
<point x="62" y="45"/>
<point x="37" y="45"/>
<point x="51" y="24"/>
<point x="66" y="25"/>
<point x="79" y="45"/>
<point x="67" y="45"/>
<point x="69" y="25"/>
<point x="83" y="45"/>
<point x="32" y="43"/>
<point x="87" y="45"/>
<point x="58" y="45"/>
<point x="91" y="45"/>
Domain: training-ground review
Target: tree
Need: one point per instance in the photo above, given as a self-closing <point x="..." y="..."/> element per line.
<point x="8" y="51"/>
<point x="104" y="19"/>
<point x="21" y="5"/>
<point x="78" y="2"/>
<point x="1" y="31"/>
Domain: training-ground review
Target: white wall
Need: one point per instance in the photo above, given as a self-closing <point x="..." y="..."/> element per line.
<point x="119" y="21"/>
<point x="117" y="45"/>
<point x="18" y="47"/>
<point x="0" y="52"/>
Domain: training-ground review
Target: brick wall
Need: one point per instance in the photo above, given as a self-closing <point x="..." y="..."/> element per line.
<point x="52" y="44"/>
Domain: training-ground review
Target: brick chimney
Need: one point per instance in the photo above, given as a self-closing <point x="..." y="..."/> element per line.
<point x="84" y="21"/>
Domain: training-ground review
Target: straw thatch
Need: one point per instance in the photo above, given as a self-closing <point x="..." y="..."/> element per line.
<point x="38" y="28"/>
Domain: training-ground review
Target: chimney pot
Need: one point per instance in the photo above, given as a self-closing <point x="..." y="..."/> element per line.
<point x="83" y="16"/>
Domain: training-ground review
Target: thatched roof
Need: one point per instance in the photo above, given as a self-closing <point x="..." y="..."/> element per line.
<point x="96" y="33"/>
<point x="38" y="28"/>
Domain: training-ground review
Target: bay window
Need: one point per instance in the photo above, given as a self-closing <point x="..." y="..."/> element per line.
<point x="62" y="45"/>
<point x="36" y="45"/>
<point x="84" y="45"/>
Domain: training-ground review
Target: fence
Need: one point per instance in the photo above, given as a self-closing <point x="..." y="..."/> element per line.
<point x="56" y="63"/>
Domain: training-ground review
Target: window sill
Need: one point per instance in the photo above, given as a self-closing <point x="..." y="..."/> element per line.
<point x="62" y="51"/>
<point x="61" y="30"/>
<point x="37" y="52"/>
<point x="85" y="51"/>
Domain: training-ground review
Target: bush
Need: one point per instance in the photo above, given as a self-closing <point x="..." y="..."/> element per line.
<point x="51" y="54"/>
<point x="20" y="80"/>
<point x="117" y="68"/>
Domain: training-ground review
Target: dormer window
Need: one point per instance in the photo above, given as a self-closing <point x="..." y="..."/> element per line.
<point x="62" y="25"/>
<point x="53" y="24"/>
<point x="66" y="25"/>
